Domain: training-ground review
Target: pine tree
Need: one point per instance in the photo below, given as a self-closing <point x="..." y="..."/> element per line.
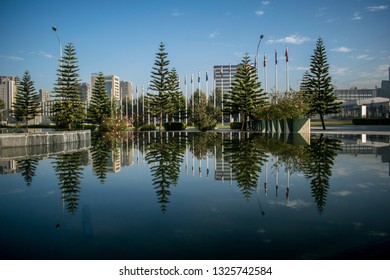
<point x="319" y="86"/>
<point x="159" y="104"/>
<point x="100" y="106"/>
<point x="68" y="108"/>
<point x="246" y="94"/>
<point x="26" y="106"/>
<point x="175" y="95"/>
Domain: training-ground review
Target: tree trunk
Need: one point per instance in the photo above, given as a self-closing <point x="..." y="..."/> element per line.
<point x="161" y="119"/>
<point x="322" y="121"/>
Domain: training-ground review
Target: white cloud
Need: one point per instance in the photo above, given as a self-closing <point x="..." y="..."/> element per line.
<point x="339" y="71"/>
<point x="342" y="193"/>
<point x="45" y="54"/>
<point x="341" y="49"/>
<point x="365" y="57"/>
<point x="176" y="13"/>
<point x="259" y="13"/>
<point x="303" y="68"/>
<point x="377" y="8"/>
<point x="356" y="16"/>
<point x="214" y="34"/>
<point x="265" y="2"/>
<point x="10" y="57"/>
<point x="291" y="39"/>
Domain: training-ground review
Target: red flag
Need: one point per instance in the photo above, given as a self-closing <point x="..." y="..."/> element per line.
<point x="286" y="54"/>
<point x="265" y="60"/>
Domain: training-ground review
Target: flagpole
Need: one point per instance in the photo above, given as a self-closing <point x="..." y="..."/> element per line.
<point x="199" y="87"/>
<point x="287" y="81"/>
<point x="215" y="89"/>
<point x="143" y="103"/>
<point x="230" y="84"/>
<point x="265" y="73"/>
<point x="136" y="93"/>
<point x="222" y="92"/>
<point x="192" y="88"/>
<point x="207" y="88"/>
<point x="276" y="73"/>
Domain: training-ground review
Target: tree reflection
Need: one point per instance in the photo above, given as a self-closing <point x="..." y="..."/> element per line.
<point x="318" y="168"/>
<point x="100" y="152"/>
<point x="246" y="157"/>
<point x="27" y="168"/>
<point x="165" y="154"/>
<point x="68" y="168"/>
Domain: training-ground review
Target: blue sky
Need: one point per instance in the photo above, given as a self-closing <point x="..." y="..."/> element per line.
<point x="122" y="37"/>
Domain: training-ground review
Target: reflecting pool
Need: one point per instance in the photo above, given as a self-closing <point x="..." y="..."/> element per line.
<point x="199" y="196"/>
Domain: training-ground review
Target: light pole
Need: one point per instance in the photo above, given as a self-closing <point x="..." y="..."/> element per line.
<point x="59" y="41"/>
<point x="257" y="56"/>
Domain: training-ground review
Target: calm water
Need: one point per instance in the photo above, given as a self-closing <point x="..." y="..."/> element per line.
<point x="200" y="196"/>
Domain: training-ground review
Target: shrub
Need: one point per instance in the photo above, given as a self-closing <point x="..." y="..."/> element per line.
<point x="174" y="126"/>
<point x="147" y="127"/>
<point x="235" y="125"/>
<point x="371" y="121"/>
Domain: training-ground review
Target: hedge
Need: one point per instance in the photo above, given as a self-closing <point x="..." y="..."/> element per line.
<point x="174" y="126"/>
<point x="371" y="121"/>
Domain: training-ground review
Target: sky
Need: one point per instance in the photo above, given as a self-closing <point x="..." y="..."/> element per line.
<point x="120" y="37"/>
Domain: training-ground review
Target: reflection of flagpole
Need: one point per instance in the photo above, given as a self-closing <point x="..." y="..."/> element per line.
<point x="288" y="185"/>
<point x="258" y="197"/>
<point x="222" y="92"/>
<point x="192" y="88"/>
<point x="186" y="103"/>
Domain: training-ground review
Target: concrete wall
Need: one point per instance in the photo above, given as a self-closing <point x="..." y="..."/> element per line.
<point x="39" y="139"/>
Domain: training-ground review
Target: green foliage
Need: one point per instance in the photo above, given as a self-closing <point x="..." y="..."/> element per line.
<point x="204" y="117"/>
<point x="147" y="127"/>
<point x="176" y="98"/>
<point x="2" y="104"/>
<point x="100" y="106"/>
<point x="235" y="125"/>
<point x="100" y="151"/>
<point x="26" y="106"/>
<point x="246" y="93"/>
<point x="160" y="104"/>
<point x="113" y="125"/>
<point x="27" y="168"/>
<point x="174" y="126"/>
<point x="68" y="109"/>
<point x="317" y="86"/>
<point x="290" y="106"/>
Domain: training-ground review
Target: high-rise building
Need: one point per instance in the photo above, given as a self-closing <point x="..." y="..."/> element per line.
<point x="224" y="75"/>
<point x="44" y="95"/>
<point x="126" y="90"/>
<point x="85" y="92"/>
<point x="112" y="83"/>
<point x="8" y="89"/>
<point x="355" y="94"/>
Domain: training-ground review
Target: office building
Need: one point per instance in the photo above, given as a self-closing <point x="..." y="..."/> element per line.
<point x="85" y="95"/>
<point x="355" y="94"/>
<point x="224" y="75"/>
<point x="112" y="83"/>
<point x="126" y="89"/>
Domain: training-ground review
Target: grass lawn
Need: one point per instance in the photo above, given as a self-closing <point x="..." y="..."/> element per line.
<point x="331" y="122"/>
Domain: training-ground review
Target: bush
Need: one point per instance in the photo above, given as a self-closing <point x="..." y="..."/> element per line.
<point x="371" y="121"/>
<point x="235" y="125"/>
<point x="147" y="127"/>
<point x="174" y="126"/>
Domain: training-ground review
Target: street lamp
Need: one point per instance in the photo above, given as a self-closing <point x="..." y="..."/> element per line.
<point x="257" y="55"/>
<point x="59" y="41"/>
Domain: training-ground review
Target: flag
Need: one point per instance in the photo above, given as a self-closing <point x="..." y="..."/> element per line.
<point x="286" y="54"/>
<point x="221" y="71"/>
<point x="198" y="77"/>
<point x="192" y="78"/>
<point x="276" y="58"/>
<point x="185" y="80"/>
<point x="265" y="60"/>
<point x="207" y="77"/>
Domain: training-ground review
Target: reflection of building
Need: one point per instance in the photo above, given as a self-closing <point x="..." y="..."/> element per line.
<point x="127" y="154"/>
<point x="114" y="161"/>
<point x="8" y="166"/>
<point x="112" y="83"/>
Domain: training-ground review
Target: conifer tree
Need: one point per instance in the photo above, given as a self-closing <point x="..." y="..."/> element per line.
<point x="175" y="95"/>
<point x="159" y="104"/>
<point x="246" y="94"/>
<point x="68" y="108"/>
<point x="100" y="106"/>
<point x="319" y="89"/>
<point x="26" y="106"/>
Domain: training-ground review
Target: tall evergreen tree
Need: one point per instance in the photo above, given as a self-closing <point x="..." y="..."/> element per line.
<point x="159" y="104"/>
<point x="26" y="106"/>
<point x="100" y="106"/>
<point x="246" y="93"/>
<point x="68" y="109"/>
<point x="27" y="168"/>
<point x="175" y="95"/>
<point x="319" y="89"/>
